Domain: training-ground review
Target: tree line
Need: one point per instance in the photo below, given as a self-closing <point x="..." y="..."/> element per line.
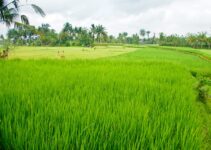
<point x="25" y="34"/>
<point x="69" y="35"/>
<point x="199" y="40"/>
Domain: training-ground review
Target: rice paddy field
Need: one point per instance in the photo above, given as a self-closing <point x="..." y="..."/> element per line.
<point x="67" y="52"/>
<point x="105" y="98"/>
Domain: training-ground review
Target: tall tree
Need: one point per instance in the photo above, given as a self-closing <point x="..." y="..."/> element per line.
<point x="191" y="39"/>
<point x="47" y="36"/>
<point x="68" y="29"/>
<point x="142" y="33"/>
<point x="123" y="37"/>
<point x="93" y="32"/>
<point x="148" y="34"/>
<point x="202" y="38"/>
<point x="135" y="39"/>
<point x="101" y="33"/>
<point x="66" y="34"/>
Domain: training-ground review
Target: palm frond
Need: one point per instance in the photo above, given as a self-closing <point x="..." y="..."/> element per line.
<point x="38" y="10"/>
<point x="24" y="19"/>
<point x="9" y="15"/>
<point x="1" y="3"/>
<point x="10" y="11"/>
<point x="15" y="3"/>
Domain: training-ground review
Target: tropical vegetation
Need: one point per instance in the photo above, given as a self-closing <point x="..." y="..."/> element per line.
<point x="82" y="88"/>
<point x="10" y="12"/>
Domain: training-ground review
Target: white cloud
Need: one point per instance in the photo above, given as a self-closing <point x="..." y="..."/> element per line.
<point x="169" y="16"/>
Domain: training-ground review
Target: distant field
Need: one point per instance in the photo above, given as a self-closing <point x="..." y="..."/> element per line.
<point x="143" y="98"/>
<point x="205" y="52"/>
<point x="69" y="52"/>
<point x="191" y="62"/>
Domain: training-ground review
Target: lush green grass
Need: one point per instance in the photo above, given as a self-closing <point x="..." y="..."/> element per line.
<point x="49" y="105"/>
<point x="203" y="52"/>
<point x="69" y="52"/>
<point x="193" y="63"/>
<point x="207" y="52"/>
<point x="146" y="99"/>
<point x="189" y="61"/>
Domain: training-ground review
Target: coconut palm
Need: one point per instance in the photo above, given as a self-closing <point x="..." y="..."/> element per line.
<point x="101" y="33"/>
<point x="209" y="42"/>
<point x="10" y="12"/>
<point x="122" y="38"/>
<point x="148" y="33"/>
<point x="67" y="28"/>
<point x="192" y="39"/>
<point x="93" y="32"/>
<point x="202" y="39"/>
<point x="68" y="31"/>
<point x="142" y="33"/>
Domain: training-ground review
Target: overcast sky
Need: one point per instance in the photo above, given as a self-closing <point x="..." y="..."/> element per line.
<point x="168" y="16"/>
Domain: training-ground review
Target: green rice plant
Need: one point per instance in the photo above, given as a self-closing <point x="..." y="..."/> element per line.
<point x="98" y="104"/>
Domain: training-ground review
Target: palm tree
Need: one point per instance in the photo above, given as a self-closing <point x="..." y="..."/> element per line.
<point x="10" y="12"/>
<point x="191" y="39"/>
<point x="101" y="33"/>
<point x="154" y="38"/>
<point x="202" y="39"/>
<point x="142" y="33"/>
<point x="209" y="42"/>
<point x="93" y="32"/>
<point x="124" y="35"/>
<point x="148" y="33"/>
<point x="68" y="30"/>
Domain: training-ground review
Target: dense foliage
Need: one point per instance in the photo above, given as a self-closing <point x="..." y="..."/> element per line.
<point x="24" y="34"/>
<point x="10" y="12"/>
<point x="72" y="36"/>
<point x="200" y="40"/>
<point x="44" y="35"/>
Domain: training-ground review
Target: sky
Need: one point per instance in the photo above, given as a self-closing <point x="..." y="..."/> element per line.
<point x="168" y="16"/>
